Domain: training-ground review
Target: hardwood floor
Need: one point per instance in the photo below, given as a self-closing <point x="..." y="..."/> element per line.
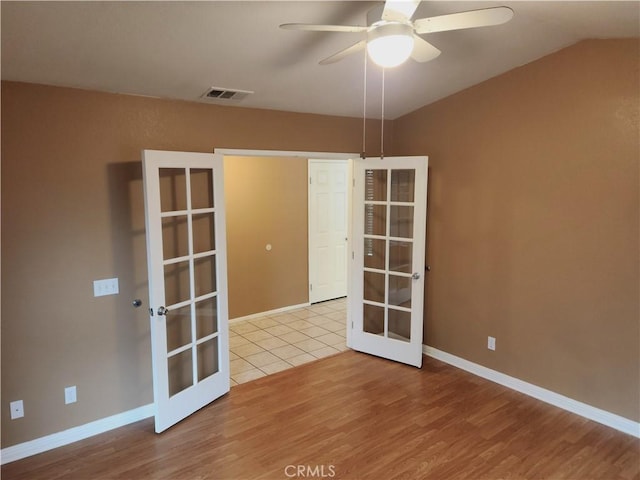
<point x="353" y="416"/>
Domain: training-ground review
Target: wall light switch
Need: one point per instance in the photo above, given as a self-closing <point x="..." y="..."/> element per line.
<point x="17" y="409"/>
<point x="70" y="395"/>
<point x="108" y="286"/>
<point x="491" y="343"/>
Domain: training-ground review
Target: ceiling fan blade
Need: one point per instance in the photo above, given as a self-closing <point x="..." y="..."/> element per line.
<point x="399" y="10"/>
<point x="462" y="20"/>
<point x="423" y="51"/>
<point x="343" y="53"/>
<point x="323" y="28"/>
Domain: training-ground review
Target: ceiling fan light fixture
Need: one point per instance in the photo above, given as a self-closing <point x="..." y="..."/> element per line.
<point x="390" y="44"/>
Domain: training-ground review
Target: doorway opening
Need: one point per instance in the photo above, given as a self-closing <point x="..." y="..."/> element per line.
<point x="275" y="321"/>
<point x="187" y="277"/>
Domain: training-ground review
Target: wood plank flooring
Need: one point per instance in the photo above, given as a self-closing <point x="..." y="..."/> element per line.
<point x="353" y="416"/>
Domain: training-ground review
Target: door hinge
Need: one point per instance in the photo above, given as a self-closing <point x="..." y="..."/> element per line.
<point x="310" y="287"/>
<point x="353" y="182"/>
<point x="353" y="256"/>
<point x="310" y="181"/>
<point x="151" y="312"/>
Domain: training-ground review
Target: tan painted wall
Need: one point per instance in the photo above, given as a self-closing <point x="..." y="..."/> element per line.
<point x="533" y="222"/>
<point x="259" y="214"/>
<point x="72" y="212"/>
<point x="533" y="229"/>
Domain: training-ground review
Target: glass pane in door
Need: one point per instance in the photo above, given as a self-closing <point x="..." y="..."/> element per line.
<point x="201" y="188"/>
<point x="400" y="256"/>
<point x="205" y="275"/>
<point x="375" y="186"/>
<point x="207" y="353"/>
<point x="401" y="221"/>
<point x="375" y="253"/>
<point x="176" y="282"/>
<point x="180" y="372"/>
<point x="173" y="189"/>
<point x="400" y="291"/>
<point x="375" y="218"/>
<point x="175" y="237"/>
<point x="204" y="235"/>
<point x="179" y="328"/>
<point x="402" y="185"/>
<point x="374" y="287"/>
<point x="206" y="317"/>
<point x="400" y="325"/>
<point x="373" y="319"/>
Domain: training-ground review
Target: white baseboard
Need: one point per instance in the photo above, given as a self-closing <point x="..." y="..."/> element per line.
<point x="269" y="312"/>
<point x="592" y="413"/>
<point x="59" y="439"/>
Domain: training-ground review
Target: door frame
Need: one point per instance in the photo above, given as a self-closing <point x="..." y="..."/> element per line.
<point x="233" y="152"/>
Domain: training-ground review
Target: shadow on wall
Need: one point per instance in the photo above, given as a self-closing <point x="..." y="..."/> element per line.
<point x="126" y="207"/>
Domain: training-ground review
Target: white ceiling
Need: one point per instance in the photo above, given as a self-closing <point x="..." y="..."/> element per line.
<point x="180" y="49"/>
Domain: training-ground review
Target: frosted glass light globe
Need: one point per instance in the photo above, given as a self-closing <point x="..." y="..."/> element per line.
<point x="389" y="43"/>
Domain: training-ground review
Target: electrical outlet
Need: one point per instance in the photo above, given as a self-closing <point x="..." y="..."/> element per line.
<point x="70" y="395"/>
<point x="17" y="409"/>
<point x="491" y="343"/>
<point x="108" y="286"/>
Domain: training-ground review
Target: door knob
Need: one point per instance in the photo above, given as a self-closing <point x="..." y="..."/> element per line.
<point x="415" y="276"/>
<point x="162" y="311"/>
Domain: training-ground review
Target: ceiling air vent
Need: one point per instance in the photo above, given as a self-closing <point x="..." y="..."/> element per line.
<point x="218" y="93"/>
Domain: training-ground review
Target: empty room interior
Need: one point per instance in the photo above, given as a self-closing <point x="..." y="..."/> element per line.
<point x="492" y="332"/>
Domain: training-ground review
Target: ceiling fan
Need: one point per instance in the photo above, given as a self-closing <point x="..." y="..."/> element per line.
<point x="392" y="37"/>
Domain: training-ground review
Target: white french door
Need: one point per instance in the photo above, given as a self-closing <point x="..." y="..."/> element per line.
<point x="389" y="228"/>
<point x="186" y="257"/>
<point x="328" y="207"/>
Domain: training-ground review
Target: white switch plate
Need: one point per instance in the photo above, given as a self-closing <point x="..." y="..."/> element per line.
<point x="17" y="409"/>
<point x="70" y="395"/>
<point x="108" y="286"/>
<point x="491" y="343"/>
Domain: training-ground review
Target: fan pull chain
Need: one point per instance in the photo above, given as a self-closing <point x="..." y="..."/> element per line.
<point x="364" y="110"/>
<point x="382" y="121"/>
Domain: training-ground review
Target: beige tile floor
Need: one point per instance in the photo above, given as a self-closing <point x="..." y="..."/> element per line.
<point x="272" y="343"/>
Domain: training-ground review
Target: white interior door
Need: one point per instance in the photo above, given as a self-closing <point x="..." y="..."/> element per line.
<point x="186" y="256"/>
<point x="328" y="203"/>
<point x="389" y="227"/>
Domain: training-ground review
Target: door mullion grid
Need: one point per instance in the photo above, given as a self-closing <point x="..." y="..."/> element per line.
<point x="192" y="282"/>
<point x="386" y="256"/>
<point x="173" y="213"/>
<point x="179" y="350"/>
<point x="186" y="397"/>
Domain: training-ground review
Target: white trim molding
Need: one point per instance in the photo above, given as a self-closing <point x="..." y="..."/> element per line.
<point x="587" y="411"/>
<point x="59" y="439"/>
<point x="284" y="153"/>
<point x="270" y="312"/>
<point x="66" y="437"/>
